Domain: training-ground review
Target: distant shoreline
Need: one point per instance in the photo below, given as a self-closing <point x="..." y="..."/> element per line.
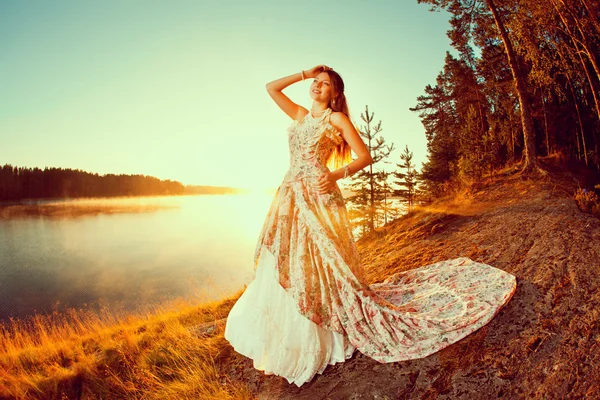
<point x="41" y="200"/>
<point x="61" y="207"/>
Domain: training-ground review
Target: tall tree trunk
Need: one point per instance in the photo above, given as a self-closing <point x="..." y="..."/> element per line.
<point x="596" y="148"/>
<point x="512" y="138"/>
<point x="583" y="45"/>
<point x="543" y="96"/>
<point x="371" y="185"/>
<point x="563" y="57"/>
<point x="580" y="125"/>
<point x="594" y="95"/>
<point x="594" y="15"/>
<point x="546" y="125"/>
<point x="526" y="119"/>
<point x="592" y="85"/>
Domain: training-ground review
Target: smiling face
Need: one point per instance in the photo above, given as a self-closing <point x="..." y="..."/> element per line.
<point x="320" y="88"/>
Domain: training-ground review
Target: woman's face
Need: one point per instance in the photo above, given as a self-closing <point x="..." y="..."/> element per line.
<point x="320" y="88"/>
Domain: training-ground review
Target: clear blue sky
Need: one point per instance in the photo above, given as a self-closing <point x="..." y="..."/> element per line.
<point x="176" y="89"/>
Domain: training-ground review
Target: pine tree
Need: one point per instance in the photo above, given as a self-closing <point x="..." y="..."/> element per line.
<point x="358" y="206"/>
<point x="406" y="180"/>
<point x="387" y="209"/>
<point x="369" y="185"/>
<point x="437" y="114"/>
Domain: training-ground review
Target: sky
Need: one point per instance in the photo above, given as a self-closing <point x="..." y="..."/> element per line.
<point x="176" y="89"/>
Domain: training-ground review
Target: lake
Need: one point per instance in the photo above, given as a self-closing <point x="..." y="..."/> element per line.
<point x="127" y="253"/>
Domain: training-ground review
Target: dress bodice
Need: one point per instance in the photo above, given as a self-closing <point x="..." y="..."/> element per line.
<point x="311" y="142"/>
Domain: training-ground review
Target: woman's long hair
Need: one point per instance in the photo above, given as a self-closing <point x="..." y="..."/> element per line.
<point x="342" y="153"/>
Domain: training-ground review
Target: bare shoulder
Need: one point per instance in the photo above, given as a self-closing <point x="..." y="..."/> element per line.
<point x="338" y="119"/>
<point x="301" y="113"/>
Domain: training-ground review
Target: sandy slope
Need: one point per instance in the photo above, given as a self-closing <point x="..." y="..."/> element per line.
<point x="544" y="344"/>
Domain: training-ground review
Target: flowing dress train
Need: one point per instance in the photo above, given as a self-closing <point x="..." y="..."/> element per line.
<point x="309" y="305"/>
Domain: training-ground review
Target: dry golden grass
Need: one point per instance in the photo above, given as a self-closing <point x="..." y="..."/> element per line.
<point x="588" y="201"/>
<point x="160" y="354"/>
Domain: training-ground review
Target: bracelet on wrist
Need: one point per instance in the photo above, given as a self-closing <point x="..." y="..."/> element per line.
<point x="302" y="74"/>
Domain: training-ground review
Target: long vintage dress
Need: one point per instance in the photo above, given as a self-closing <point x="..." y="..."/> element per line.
<point x="309" y="306"/>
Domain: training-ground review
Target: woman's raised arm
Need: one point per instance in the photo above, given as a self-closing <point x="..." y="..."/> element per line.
<point x="293" y="110"/>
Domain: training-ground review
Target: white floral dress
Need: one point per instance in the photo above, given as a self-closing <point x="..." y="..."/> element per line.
<point x="309" y="305"/>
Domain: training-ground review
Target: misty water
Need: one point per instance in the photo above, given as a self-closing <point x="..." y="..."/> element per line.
<point x="127" y="253"/>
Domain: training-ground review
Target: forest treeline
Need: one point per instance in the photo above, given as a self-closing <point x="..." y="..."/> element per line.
<point x="525" y="80"/>
<point x="18" y="183"/>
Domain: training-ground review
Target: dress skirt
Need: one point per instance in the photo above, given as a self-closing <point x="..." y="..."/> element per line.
<point x="264" y="325"/>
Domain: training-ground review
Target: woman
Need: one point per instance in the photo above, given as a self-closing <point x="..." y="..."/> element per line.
<point x="309" y="305"/>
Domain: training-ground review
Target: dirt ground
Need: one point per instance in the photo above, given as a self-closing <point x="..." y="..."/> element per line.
<point x="545" y="343"/>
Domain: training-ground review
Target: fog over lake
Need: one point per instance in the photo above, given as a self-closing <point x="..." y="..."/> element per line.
<point x="126" y="253"/>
